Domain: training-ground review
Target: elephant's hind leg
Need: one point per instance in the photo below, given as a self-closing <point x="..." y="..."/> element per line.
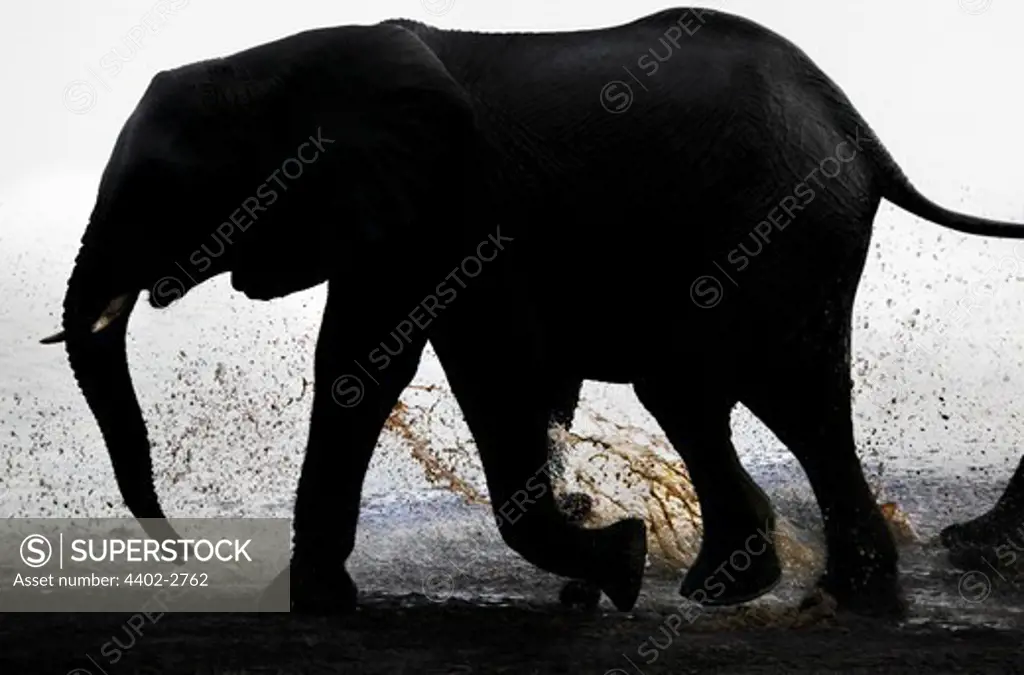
<point x="802" y="393"/>
<point x="737" y="560"/>
<point x="494" y="372"/>
<point x="514" y="452"/>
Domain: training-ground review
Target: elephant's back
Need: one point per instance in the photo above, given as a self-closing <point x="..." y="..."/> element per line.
<point x="564" y="103"/>
<point x="639" y="107"/>
<point x="703" y="43"/>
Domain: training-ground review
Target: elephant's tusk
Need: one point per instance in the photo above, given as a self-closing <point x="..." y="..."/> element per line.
<point x="114" y="309"/>
<point x="54" y="339"/>
<point x="110" y="314"/>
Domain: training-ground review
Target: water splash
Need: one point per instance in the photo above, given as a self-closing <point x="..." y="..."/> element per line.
<point x="627" y="470"/>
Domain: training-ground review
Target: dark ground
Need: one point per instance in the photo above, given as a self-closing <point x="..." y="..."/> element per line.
<point x="953" y="628"/>
<point x="395" y="635"/>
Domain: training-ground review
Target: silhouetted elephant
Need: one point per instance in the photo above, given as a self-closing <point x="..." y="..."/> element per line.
<point x="699" y="233"/>
<point x="995" y="536"/>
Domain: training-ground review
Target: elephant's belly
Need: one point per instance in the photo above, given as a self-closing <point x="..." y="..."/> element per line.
<point x="603" y="318"/>
<point x="592" y="361"/>
<point x="611" y="346"/>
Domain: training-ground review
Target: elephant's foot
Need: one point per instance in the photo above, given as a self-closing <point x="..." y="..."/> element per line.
<point x="580" y="593"/>
<point x="316" y="593"/>
<point x="861" y="572"/>
<point x="971" y="541"/>
<point x="623" y="552"/>
<point x="878" y="595"/>
<point x="735" y="571"/>
<point x="612" y="558"/>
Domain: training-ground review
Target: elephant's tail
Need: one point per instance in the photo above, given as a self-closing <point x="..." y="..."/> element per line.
<point x="898" y="189"/>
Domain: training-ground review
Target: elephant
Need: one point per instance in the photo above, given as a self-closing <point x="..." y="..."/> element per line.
<point x="985" y="538"/>
<point x="473" y="189"/>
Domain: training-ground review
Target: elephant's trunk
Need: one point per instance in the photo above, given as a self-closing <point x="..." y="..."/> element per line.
<point x="97" y="306"/>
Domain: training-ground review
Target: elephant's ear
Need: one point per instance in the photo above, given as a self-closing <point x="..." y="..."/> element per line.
<point x="398" y="135"/>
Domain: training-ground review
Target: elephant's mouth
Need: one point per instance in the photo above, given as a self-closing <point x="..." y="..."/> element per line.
<point x="114" y="309"/>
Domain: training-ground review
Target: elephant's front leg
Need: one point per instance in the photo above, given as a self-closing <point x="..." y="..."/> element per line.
<point x="493" y="366"/>
<point x="349" y="411"/>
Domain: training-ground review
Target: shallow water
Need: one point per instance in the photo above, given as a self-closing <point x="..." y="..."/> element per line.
<point x="444" y="548"/>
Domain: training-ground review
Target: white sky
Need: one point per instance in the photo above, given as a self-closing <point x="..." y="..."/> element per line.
<point x="940" y="85"/>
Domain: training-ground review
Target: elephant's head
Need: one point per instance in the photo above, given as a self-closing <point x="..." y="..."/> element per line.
<point x="277" y="165"/>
